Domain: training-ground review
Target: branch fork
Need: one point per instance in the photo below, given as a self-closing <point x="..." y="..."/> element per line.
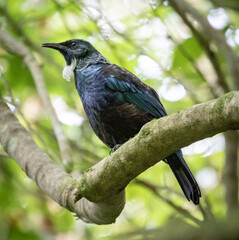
<point x="98" y="196"/>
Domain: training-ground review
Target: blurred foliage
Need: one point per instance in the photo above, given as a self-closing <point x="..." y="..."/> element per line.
<point x="145" y="37"/>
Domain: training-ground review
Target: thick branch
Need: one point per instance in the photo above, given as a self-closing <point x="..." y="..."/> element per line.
<point x="102" y="185"/>
<point x="53" y="180"/>
<point x="156" y="140"/>
<point x="20" y="49"/>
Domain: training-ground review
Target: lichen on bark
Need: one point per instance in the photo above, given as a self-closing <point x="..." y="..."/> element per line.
<point x="98" y="196"/>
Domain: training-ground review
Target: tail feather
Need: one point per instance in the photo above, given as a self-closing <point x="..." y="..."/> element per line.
<point x="184" y="176"/>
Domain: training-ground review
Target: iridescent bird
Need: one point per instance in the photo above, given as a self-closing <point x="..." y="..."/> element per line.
<point x="117" y="103"/>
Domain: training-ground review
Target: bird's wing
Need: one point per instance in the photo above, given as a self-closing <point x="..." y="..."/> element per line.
<point x="133" y="91"/>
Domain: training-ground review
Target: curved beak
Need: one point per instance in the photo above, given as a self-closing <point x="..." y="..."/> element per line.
<point x="56" y="46"/>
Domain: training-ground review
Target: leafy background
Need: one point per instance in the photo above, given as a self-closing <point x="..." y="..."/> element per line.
<point x="149" y="39"/>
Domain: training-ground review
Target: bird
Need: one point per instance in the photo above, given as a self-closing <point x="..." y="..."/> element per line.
<point x="117" y="103"/>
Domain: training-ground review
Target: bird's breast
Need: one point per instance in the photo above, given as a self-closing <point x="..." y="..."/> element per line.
<point x="113" y="121"/>
<point x="121" y="122"/>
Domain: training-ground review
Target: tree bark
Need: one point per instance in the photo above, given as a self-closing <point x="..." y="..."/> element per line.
<point x="100" y="189"/>
<point x="18" y="48"/>
<point x="51" y="178"/>
<point x="156" y="141"/>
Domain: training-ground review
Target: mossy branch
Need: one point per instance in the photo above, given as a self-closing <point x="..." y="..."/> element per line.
<point x="101" y="189"/>
<point x="51" y="178"/>
<point x="156" y="140"/>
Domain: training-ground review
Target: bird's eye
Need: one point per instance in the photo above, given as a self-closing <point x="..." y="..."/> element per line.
<point x="73" y="45"/>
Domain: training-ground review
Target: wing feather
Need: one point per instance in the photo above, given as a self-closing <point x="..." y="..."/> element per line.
<point x="130" y="89"/>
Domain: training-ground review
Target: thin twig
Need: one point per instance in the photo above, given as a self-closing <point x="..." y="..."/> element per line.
<point x="59" y="9"/>
<point x="231" y="58"/>
<point x="29" y="127"/>
<point x="158" y="187"/>
<point x="233" y="5"/>
<point x="179" y="209"/>
<point x="141" y="51"/>
<point x="16" y="27"/>
<point x="205" y="44"/>
<point x="187" y="55"/>
<point x="18" y="48"/>
<point x="139" y="48"/>
<point x="3" y="155"/>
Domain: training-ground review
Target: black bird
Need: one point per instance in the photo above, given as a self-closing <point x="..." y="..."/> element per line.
<point x="117" y="103"/>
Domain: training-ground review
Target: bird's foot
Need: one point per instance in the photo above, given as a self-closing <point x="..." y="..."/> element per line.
<point x="115" y="148"/>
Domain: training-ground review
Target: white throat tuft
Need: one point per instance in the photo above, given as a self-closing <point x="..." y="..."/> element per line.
<point x="68" y="70"/>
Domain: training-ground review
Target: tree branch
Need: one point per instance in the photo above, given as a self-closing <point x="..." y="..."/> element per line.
<point x="29" y="127"/>
<point x="155" y="189"/>
<point x="18" y="29"/>
<point x="157" y="140"/>
<point x="232" y="60"/>
<point x="230" y="177"/>
<point x="233" y="5"/>
<point x="100" y="189"/>
<point x="18" y="48"/>
<point x="177" y="229"/>
<point x="209" y="52"/>
<point x="52" y="179"/>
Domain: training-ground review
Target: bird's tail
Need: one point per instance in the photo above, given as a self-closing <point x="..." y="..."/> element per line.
<point x="184" y="176"/>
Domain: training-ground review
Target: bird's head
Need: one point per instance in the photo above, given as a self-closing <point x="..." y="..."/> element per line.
<point x="77" y="53"/>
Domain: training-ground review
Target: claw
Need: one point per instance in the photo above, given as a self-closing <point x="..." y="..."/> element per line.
<point x="115" y="148"/>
